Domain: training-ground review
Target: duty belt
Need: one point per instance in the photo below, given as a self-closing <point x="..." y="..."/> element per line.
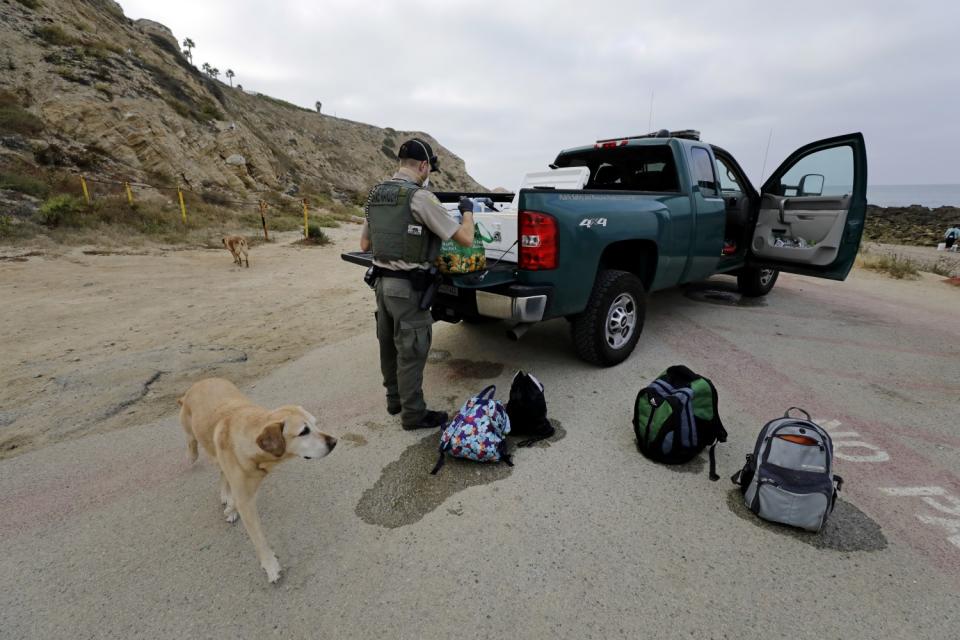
<point x="381" y="272"/>
<point x="426" y="281"/>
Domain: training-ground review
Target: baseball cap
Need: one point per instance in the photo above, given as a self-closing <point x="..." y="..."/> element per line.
<point x="417" y="149"/>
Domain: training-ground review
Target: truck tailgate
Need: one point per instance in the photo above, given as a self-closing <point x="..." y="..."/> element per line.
<point x="495" y="275"/>
<point x="362" y="258"/>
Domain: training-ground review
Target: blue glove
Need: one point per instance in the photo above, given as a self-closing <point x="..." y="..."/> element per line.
<point x="466" y="204"/>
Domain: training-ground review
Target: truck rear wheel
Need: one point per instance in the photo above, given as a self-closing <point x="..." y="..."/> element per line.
<point x="608" y="329"/>
<point x="754" y="282"/>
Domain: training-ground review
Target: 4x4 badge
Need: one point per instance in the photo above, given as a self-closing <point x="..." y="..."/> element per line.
<point x="590" y="222"/>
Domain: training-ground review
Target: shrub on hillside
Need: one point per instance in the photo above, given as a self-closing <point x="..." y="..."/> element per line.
<point x="52" y="34"/>
<point x="215" y="197"/>
<point x="24" y="184"/>
<point x="16" y="119"/>
<point x="63" y="210"/>
<point x="317" y="236"/>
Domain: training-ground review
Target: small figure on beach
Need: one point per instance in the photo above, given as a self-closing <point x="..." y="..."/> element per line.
<point x="951" y="236"/>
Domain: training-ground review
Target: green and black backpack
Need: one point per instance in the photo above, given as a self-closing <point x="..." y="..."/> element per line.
<point x="676" y="417"/>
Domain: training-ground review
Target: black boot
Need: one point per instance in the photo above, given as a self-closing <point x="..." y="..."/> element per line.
<point x="430" y="420"/>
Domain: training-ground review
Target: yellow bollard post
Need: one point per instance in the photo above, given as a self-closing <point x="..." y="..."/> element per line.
<point x="86" y="194"/>
<point x="306" y="225"/>
<point x="183" y="207"/>
<point x="126" y="185"/>
<point x="263" y="220"/>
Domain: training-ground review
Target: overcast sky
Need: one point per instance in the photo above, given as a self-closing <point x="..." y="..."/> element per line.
<point x="507" y="84"/>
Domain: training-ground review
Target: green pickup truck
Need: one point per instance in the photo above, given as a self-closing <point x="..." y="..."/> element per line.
<point x="656" y="211"/>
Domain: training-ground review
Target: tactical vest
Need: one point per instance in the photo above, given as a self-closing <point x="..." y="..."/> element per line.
<point x="394" y="233"/>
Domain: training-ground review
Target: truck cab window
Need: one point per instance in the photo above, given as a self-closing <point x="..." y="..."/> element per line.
<point x="648" y="168"/>
<point x="729" y="182"/>
<point x="703" y="172"/>
<point x="823" y="173"/>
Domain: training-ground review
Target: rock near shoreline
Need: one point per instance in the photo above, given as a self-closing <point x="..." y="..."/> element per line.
<point x="913" y="225"/>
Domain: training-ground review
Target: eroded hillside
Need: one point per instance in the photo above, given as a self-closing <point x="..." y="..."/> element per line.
<point x="85" y="89"/>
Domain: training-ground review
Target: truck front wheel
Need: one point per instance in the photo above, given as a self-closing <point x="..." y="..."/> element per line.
<point x="754" y="282"/>
<point x="608" y="329"/>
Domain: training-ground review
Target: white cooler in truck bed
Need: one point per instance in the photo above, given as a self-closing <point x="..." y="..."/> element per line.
<point x="501" y="222"/>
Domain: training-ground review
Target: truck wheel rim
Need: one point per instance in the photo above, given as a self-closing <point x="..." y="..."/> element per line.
<point x="766" y="276"/>
<point x="621" y="321"/>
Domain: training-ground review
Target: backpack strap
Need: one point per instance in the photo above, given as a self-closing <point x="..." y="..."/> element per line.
<point x="440" y="461"/>
<point x="787" y="413"/>
<point x="713" y="464"/>
<point x="744" y="476"/>
<point x="482" y="396"/>
<point x="838" y="482"/>
<point x="547" y="433"/>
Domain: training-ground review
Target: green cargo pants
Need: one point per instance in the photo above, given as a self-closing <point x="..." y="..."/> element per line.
<point x="404" y="333"/>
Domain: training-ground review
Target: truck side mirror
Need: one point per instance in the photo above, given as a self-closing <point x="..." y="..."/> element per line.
<point x="811" y="185"/>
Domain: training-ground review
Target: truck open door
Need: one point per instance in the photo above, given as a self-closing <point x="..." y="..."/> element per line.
<point x="812" y="210"/>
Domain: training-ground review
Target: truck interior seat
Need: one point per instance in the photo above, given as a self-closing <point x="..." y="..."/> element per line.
<point x="738" y="210"/>
<point x="607" y="176"/>
<point x="667" y="179"/>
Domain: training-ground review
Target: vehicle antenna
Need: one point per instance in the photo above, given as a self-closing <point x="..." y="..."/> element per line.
<point x="650" y="121"/>
<point x="763" y="171"/>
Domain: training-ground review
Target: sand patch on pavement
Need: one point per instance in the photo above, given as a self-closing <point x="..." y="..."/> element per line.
<point x="97" y="340"/>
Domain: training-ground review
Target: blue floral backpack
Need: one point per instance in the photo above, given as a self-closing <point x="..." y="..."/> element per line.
<point x="478" y="431"/>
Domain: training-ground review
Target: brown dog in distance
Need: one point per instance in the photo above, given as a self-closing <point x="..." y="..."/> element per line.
<point x="237" y="246"/>
<point x="247" y="441"/>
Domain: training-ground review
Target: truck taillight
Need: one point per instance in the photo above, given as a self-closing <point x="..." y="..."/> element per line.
<point x="538" y="241"/>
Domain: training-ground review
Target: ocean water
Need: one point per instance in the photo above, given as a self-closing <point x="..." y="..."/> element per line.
<point x="903" y="195"/>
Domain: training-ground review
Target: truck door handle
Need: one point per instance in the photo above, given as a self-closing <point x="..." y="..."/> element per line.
<point x="782" y="204"/>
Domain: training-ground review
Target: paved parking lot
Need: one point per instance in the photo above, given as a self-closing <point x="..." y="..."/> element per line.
<point x="113" y="536"/>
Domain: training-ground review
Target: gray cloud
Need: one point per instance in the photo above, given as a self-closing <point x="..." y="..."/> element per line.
<point x="506" y="85"/>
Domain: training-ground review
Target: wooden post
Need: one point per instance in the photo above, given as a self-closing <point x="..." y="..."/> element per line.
<point x="83" y="185"/>
<point x="183" y="207"/>
<point x="263" y="220"/>
<point x="306" y="225"/>
<point x="126" y="185"/>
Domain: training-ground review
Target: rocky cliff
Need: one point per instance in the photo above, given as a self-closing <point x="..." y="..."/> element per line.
<point x="84" y="88"/>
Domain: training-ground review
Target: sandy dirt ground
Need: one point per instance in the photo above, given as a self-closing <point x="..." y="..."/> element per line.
<point x="95" y="340"/>
<point x="108" y="533"/>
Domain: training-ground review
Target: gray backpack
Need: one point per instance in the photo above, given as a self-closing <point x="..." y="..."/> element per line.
<point x="788" y="478"/>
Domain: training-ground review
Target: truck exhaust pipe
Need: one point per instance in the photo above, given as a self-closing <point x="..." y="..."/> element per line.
<point x="517" y="331"/>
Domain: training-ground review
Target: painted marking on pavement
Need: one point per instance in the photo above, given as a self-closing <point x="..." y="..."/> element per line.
<point x="878" y="455"/>
<point x="951" y="525"/>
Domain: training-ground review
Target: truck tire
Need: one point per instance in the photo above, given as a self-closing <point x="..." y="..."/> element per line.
<point x="754" y="282"/>
<point x="608" y="329"/>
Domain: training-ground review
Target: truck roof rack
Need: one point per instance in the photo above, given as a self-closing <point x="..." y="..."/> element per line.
<point x="686" y="134"/>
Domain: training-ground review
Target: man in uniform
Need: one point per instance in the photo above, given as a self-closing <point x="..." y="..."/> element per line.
<point x="404" y="227"/>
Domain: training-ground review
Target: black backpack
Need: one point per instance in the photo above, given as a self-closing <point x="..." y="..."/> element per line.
<point x="676" y="417"/>
<point x="527" y="409"/>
